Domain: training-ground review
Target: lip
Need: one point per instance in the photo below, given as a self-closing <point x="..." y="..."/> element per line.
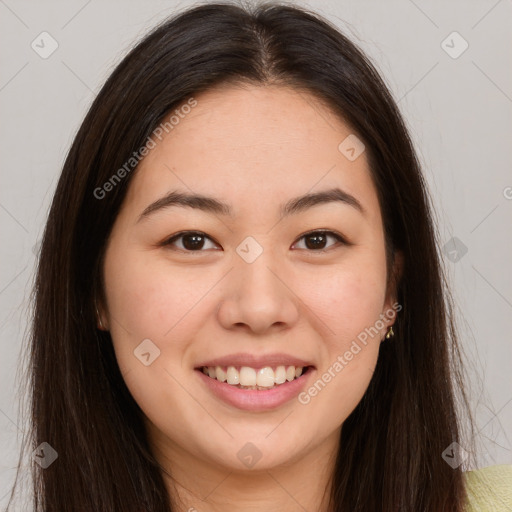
<point x="256" y="400"/>
<point x="256" y="362"/>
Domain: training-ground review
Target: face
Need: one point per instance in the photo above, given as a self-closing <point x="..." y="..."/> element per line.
<point x="273" y="283"/>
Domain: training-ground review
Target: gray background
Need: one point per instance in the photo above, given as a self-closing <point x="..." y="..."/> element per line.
<point x="459" y="111"/>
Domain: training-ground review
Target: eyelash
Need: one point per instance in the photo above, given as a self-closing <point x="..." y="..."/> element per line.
<point x="177" y="236"/>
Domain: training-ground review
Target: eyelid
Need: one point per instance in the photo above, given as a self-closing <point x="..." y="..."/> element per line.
<point x="168" y="241"/>
<point x="329" y="232"/>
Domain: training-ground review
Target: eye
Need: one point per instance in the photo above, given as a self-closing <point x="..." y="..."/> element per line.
<point x="317" y="240"/>
<point x="191" y="241"/>
<point x="196" y="241"/>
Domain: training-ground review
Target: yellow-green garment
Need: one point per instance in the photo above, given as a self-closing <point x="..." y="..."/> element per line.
<point x="490" y="489"/>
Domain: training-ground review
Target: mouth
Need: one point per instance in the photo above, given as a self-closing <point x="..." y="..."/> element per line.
<point x="249" y="378"/>
<point x="255" y="389"/>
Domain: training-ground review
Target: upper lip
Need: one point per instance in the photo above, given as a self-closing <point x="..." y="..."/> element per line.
<point x="254" y="361"/>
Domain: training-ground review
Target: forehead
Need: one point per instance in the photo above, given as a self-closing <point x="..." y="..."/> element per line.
<point x="262" y="142"/>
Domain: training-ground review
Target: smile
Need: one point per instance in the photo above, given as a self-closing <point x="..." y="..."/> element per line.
<point x="245" y="377"/>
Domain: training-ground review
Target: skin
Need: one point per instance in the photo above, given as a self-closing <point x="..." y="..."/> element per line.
<point x="253" y="147"/>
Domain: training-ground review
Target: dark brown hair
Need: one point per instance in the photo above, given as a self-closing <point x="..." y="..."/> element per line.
<point x="390" y="454"/>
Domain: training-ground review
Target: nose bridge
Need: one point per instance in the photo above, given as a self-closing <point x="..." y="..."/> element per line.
<point x="257" y="278"/>
<point x="257" y="296"/>
<point x="254" y="280"/>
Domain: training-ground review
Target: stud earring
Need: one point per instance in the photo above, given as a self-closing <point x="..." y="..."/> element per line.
<point x="390" y="333"/>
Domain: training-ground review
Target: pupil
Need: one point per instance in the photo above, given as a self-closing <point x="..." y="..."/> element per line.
<point x="191" y="242"/>
<point x="197" y="242"/>
<point x="318" y="241"/>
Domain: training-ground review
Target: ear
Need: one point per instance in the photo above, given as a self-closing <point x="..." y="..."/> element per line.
<point x="394" y="280"/>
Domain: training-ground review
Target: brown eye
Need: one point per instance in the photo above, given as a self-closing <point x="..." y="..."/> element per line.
<point x="196" y="241"/>
<point x="317" y="240"/>
<point x="191" y="241"/>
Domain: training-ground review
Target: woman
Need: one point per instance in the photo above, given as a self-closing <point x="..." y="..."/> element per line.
<point x="239" y="301"/>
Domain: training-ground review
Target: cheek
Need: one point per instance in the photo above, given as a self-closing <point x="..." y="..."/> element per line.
<point x="149" y="298"/>
<point x="349" y="307"/>
<point x="347" y="298"/>
<point x="149" y="301"/>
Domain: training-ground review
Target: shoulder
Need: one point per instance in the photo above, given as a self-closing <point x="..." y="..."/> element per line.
<point x="489" y="489"/>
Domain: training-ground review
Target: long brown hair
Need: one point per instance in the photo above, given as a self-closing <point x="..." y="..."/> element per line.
<point x="390" y="457"/>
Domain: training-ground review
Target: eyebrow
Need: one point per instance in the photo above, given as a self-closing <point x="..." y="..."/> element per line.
<point x="212" y="205"/>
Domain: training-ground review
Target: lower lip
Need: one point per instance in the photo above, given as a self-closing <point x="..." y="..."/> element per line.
<point x="253" y="399"/>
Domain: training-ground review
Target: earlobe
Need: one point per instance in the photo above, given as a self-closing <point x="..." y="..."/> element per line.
<point x="391" y="304"/>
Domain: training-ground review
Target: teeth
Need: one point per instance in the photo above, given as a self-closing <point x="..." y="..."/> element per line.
<point x="280" y="374"/>
<point x="221" y="374"/>
<point x="251" y="378"/>
<point x="247" y="376"/>
<point x="233" y="377"/>
<point x="265" y="377"/>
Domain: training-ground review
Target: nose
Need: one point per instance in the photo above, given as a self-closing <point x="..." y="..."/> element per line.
<point x="258" y="298"/>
